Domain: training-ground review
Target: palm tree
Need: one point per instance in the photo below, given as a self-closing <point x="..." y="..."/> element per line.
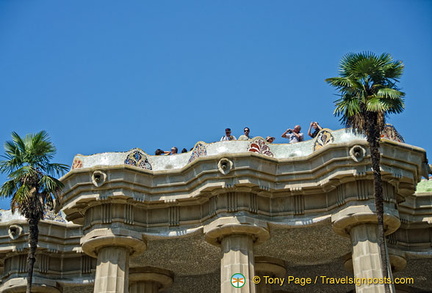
<point x="30" y="186"/>
<point x="368" y="93"/>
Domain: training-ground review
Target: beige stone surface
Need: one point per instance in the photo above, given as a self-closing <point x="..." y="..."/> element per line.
<point x="366" y="256"/>
<point x="237" y="257"/>
<point x="202" y="225"/>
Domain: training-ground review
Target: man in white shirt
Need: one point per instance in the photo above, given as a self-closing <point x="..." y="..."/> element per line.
<point x="228" y="135"/>
<point x="294" y="135"/>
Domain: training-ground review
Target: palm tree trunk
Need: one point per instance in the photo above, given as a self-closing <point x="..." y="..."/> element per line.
<point x="373" y="137"/>
<point x="33" y="240"/>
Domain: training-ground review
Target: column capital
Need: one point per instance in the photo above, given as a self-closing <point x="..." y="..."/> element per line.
<point x="243" y="225"/>
<point x="104" y="237"/>
<point x="349" y="217"/>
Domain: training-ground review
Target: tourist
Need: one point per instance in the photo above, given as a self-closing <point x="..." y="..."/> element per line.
<point x="246" y="134"/>
<point x="184" y="150"/>
<point x="315" y="125"/>
<point x="159" y="152"/>
<point x="270" y="139"/>
<point x="293" y="135"/>
<point x="228" y="135"/>
<point x="174" y="151"/>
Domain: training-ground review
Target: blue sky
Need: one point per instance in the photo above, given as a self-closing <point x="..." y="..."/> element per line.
<point x="108" y="76"/>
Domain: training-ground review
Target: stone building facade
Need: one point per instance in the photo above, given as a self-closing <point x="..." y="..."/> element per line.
<point x="234" y="216"/>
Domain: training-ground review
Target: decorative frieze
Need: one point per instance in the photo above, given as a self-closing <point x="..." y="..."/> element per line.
<point x="341" y="194"/>
<point x="43" y="262"/>
<point x="16" y="264"/>
<point x="106" y="213"/>
<point x="299" y="204"/>
<point x="86" y="264"/>
<point x="212" y="205"/>
<point x="129" y="214"/>
<point x="22" y="263"/>
<point x="389" y="192"/>
<point x="232" y="202"/>
<point x="363" y="189"/>
<point x="253" y="208"/>
<point x="174" y="216"/>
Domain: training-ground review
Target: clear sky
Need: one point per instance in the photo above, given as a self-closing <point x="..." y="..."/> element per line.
<point x="108" y="76"/>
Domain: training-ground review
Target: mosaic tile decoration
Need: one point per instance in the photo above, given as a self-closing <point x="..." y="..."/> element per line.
<point x="389" y="132"/>
<point x="259" y="146"/>
<point x="199" y="150"/>
<point x="324" y="137"/>
<point x="77" y="163"/>
<point x="138" y="159"/>
<point x="51" y="216"/>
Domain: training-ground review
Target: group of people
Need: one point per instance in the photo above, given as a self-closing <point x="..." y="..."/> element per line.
<point x="174" y="151"/>
<point x="293" y="135"/>
<point x="244" y="136"/>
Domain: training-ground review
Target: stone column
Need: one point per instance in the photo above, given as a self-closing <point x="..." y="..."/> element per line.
<point x="112" y="269"/>
<point x="271" y="267"/>
<point x="149" y="280"/>
<point x="236" y="236"/>
<point x="112" y="247"/>
<point x="397" y="262"/>
<point x="360" y="224"/>
<point x="237" y="257"/>
<point x="366" y="252"/>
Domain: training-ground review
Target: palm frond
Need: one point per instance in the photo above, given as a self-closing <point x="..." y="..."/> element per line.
<point x="26" y="174"/>
<point x="39" y="149"/>
<point x="54" y="168"/>
<point x="20" y="198"/>
<point x="13" y="158"/>
<point x="8" y="188"/>
<point x="375" y="105"/>
<point x="390" y="93"/>
<point x="18" y="142"/>
<point x="50" y="185"/>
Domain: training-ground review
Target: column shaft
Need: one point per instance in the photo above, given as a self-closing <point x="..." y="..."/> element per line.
<point x="366" y="257"/>
<point x="238" y="257"/>
<point x="112" y="270"/>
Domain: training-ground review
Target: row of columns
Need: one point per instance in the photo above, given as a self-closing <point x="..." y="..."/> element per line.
<point x="236" y="236"/>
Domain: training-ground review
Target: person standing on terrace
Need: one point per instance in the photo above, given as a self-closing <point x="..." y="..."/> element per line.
<point x="228" y="135"/>
<point x="246" y="135"/>
<point x="315" y="126"/>
<point x="293" y="135"/>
